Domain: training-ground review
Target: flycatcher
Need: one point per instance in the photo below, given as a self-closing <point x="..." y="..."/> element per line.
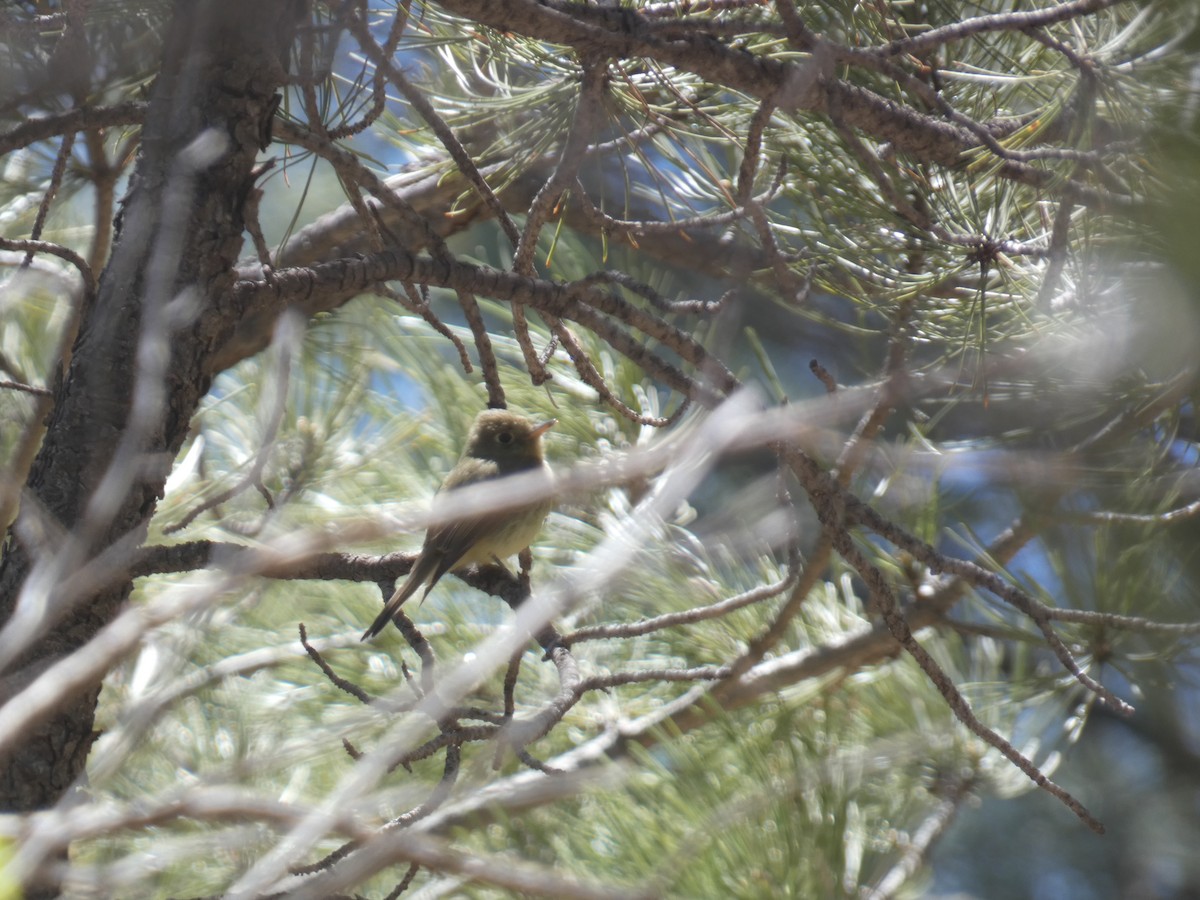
<point x="500" y="443"/>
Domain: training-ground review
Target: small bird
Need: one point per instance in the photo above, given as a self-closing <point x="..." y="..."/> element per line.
<point x="500" y="443"/>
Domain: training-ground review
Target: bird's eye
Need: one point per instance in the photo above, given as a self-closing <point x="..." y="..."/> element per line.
<point x="505" y="437"/>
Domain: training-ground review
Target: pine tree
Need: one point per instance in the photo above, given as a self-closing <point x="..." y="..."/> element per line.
<point x="869" y="329"/>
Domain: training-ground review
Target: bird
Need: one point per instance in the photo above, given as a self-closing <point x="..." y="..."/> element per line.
<point x="499" y="443"/>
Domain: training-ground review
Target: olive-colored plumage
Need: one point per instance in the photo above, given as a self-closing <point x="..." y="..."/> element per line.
<point x="500" y="443"/>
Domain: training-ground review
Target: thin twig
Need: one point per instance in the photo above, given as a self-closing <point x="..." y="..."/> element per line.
<point x="1010" y="21"/>
<point x="458" y="153"/>
<point x="336" y="680"/>
<point x="885" y="603"/>
<point x="56" y="177"/>
<point x="286" y="334"/>
<point x="64" y="253"/>
<point x="684" y="617"/>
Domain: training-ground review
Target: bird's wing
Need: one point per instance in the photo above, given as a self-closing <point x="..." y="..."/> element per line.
<point x="453" y="541"/>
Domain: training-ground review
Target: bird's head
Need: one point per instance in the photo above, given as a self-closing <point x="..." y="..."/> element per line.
<point x="511" y="440"/>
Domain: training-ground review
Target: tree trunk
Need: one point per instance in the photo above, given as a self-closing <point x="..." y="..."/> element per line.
<point x="142" y="359"/>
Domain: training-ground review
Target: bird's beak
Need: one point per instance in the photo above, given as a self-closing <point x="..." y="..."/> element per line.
<point x="542" y="427"/>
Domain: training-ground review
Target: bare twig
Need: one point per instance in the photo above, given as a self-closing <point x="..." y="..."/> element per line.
<point x="886" y="605"/>
<point x="461" y="157"/>
<point x="64" y="253"/>
<point x="287" y="334"/>
<point x="336" y="680"/>
<point x="1011" y="21"/>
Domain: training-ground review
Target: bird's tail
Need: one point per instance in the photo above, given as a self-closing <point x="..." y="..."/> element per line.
<point x="421" y="571"/>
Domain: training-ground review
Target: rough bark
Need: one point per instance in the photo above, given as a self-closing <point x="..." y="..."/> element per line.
<point x="139" y="365"/>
